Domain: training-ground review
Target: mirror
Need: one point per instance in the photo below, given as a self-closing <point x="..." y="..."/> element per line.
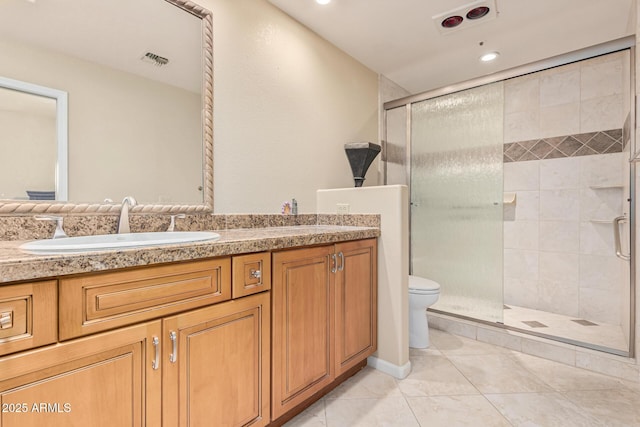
<point x="138" y="75"/>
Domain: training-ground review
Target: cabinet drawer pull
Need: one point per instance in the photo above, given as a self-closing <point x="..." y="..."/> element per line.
<point x="341" y="256"/>
<point x="173" y="357"/>
<point x="255" y="274"/>
<point x="334" y="263"/>
<point x="6" y="320"/>
<point x="156" y="358"/>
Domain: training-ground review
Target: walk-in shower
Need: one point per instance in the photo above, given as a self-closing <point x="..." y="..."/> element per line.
<point x="521" y="195"/>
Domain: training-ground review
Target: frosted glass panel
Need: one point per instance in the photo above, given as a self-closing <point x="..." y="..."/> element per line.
<point x="456" y="195"/>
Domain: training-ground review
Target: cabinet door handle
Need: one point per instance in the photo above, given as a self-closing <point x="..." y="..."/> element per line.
<point x="173" y="357"/>
<point x="156" y="358"/>
<point x="334" y="263"/>
<point x="341" y="256"/>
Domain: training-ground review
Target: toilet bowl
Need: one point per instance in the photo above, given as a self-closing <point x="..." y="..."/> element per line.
<point x="422" y="294"/>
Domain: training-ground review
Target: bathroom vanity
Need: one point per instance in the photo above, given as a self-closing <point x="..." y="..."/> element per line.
<point x="246" y="330"/>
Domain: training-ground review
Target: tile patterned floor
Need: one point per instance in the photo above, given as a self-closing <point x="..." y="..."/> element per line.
<point x="462" y="382"/>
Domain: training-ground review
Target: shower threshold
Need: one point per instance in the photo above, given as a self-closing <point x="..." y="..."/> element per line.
<point x="565" y="329"/>
<point x="574" y="328"/>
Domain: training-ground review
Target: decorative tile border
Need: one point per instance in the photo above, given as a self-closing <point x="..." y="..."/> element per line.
<point x="582" y="144"/>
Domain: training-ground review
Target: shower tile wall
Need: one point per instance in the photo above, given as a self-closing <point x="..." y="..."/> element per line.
<point x="557" y="257"/>
<point x="559" y="251"/>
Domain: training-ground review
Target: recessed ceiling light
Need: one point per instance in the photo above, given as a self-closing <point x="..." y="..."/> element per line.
<point x="323" y="1"/>
<point x="487" y="57"/>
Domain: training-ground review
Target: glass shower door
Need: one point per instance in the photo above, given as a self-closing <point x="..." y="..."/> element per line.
<point x="457" y="199"/>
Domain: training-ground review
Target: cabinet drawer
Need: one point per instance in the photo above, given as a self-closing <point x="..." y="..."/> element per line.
<point x="251" y="274"/>
<point x="101" y="301"/>
<point x="28" y="316"/>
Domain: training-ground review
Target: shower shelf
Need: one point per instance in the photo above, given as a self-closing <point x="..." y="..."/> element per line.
<point x="509" y="198"/>
<point x="605" y="187"/>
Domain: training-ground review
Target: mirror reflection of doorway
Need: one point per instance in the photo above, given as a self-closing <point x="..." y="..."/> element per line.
<point x="33" y="142"/>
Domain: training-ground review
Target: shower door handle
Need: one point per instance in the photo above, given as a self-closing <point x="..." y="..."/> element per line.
<point x="616" y="236"/>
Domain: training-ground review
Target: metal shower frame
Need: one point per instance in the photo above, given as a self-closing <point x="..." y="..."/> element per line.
<point x="626" y="43"/>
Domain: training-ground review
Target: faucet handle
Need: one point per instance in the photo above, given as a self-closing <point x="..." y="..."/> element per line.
<point x="129" y="199"/>
<point x="172" y="224"/>
<point x="59" y="231"/>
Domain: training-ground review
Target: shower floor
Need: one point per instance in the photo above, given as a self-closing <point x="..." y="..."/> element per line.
<point x="574" y="328"/>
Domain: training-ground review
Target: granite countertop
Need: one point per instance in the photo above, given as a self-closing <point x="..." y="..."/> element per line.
<point x="16" y="265"/>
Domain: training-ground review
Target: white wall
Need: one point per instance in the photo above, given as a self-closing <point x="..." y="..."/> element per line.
<point x="285" y="103"/>
<point x="392" y="203"/>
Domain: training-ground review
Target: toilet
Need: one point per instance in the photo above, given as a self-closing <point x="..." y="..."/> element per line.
<point x="422" y="294"/>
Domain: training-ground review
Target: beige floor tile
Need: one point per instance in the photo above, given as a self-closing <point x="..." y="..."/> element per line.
<point x="386" y="412"/>
<point x="541" y="409"/>
<point x="435" y="376"/>
<point x="631" y="385"/>
<point x="450" y="344"/>
<point x="566" y="378"/>
<point x="431" y="351"/>
<point x="498" y="373"/>
<point x="610" y="407"/>
<point x="313" y="416"/>
<point x="456" y="411"/>
<point x="444" y="385"/>
<point x="367" y="384"/>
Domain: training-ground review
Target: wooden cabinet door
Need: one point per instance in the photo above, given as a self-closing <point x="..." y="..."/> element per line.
<point x="302" y="297"/>
<point x="102" y="381"/>
<point x="216" y="369"/>
<point x="356" y="303"/>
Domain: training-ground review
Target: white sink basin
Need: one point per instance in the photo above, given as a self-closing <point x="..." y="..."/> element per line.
<point x="115" y="241"/>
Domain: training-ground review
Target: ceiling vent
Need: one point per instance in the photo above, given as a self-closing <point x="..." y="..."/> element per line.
<point x="466" y="16"/>
<point x="154" y="59"/>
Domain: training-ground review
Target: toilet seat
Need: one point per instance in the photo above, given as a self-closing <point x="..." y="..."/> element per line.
<point x="422" y="292"/>
<point x="420" y="285"/>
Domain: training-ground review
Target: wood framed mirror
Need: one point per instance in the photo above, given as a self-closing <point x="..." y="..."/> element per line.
<point x="140" y="99"/>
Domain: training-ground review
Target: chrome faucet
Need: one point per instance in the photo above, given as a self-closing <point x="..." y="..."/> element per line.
<point x="123" y="223"/>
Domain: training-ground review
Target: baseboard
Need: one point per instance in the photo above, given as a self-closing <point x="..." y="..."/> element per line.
<point x="399" y="372"/>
